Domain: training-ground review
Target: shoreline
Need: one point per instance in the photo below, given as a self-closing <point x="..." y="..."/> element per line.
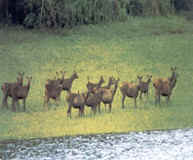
<point x="4" y="142"/>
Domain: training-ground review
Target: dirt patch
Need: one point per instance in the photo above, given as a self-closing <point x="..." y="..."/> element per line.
<point x="176" y="31"/>
<point x="156" y="33"/>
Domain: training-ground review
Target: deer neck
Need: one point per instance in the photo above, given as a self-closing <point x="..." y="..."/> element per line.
<point x="173" y="80"/>
<point x="100" y="82"/>
<point x="28" y="84"/>
<point x="109" y="85"/>
<point x="173" y="83"/>
<point x="148" y="81"/>
<point x="72" y="78"/>
<point x="172" y="76"/>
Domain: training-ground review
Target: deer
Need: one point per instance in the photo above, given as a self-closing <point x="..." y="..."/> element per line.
<point x="20" y="93"/>
<point x="131" y="90"/>
<point x="52" y="91"/>
<point x="165" y="86"/>
<point x="144" y="86"/>
<point x="54" y="88"/>
<point x="94" y="99"/>
<point x="108" y="86"/>
<point x="108" y="95"/>
<point x="90" y="86"/>
<point x="110" y="83"/>
<point x="7" y="87"/>
<point x="53" y="84"/>
<point x="77" y="101"/>
<point x="67" y="83"/>
<point x="57" y="80"/>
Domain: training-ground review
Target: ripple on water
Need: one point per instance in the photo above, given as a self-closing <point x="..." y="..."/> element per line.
<point x="156" y="145"/>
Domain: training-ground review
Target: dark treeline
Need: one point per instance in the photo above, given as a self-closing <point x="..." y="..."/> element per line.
<point x="61" y="13"/>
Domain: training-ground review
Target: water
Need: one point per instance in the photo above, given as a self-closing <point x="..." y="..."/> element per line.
<point x="155" y="145"/>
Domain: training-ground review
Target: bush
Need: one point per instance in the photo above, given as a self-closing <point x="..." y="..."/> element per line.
<point x="62" y="13"/>
<point x="134" y="8"/>
<point x="54" y="13"/>
<point x="185" y="5"/>
<point x="157" y="7"/>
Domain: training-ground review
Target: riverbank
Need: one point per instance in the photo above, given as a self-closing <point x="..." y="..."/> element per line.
<point x="139" y="46"/>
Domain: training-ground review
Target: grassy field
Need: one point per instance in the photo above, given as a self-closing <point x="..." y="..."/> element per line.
<point x="139" y="46"/>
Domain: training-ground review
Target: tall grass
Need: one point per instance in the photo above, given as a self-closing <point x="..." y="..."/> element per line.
<point x="125" y="50"/>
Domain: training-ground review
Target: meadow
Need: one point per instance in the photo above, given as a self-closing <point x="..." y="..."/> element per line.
<point x="138" y="46"/>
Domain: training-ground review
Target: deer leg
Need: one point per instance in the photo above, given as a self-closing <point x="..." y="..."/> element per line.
<point x="18" y="105"/>
<point x="159" y="99"/>
<point x="99" y="107"/>
<point x="46" y="100"/>
<point x="167" y="100"/>
<point x="147" y="94"/>
<point x="135" y="102"/>
<point x="24" y="100"/>
<point x="156" y="98"/>
<point x="69" y="110"/>
<point x="105" y="107"/>
<point x="140" y="96"/>
<point x="13" y="105"/>
<point x="123" y="99"/>
<point x="94" y="109"/>
<point x="110" y="106"/>
<point x="58" y="100"/>
<point x="79" y="112"/>
<point x="4" y="102"/>
<point x="82" y="111"/>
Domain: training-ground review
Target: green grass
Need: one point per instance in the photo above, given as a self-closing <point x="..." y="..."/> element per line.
<point x="139" y="46"/>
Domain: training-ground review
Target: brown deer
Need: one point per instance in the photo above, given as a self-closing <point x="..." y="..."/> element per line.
<point x="164" y="86"/>
<point x="77" y="101"/>
<point x="52" y="91"/>
<point x="144" y="86"/>
<point x="53" y="88"/>
<point x="67" y="83"/>
<point x="57" y="80"/>
<point x="130" y="90"/>
<point x="20" y="93"/>
<point x="90" y="86"/>
<point x="110" y="83"/>
<point x="108" y="86"/>
<point x="94" y="99"/>
<point x="108" y="95"/>
<point x="7" y="87"/>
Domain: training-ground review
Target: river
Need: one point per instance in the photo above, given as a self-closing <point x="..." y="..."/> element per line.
<point x="150" y="145"/>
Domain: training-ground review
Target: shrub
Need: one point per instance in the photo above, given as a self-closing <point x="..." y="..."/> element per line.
<point x="62" y="13"/>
